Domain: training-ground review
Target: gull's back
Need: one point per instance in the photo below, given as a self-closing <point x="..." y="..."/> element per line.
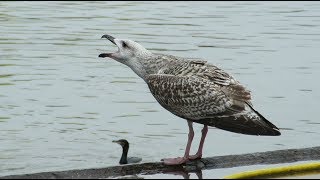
<point x="203" y="93"/>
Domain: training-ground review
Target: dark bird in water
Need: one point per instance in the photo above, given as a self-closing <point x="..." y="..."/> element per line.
<point x="124" y="157"/>
<point x="195" y="90"/>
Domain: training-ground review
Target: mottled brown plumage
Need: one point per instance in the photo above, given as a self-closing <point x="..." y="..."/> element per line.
<point x="194" y="90"/>
<point x="205" y="94"/>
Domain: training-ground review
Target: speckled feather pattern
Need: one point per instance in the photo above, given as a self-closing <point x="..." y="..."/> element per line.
<point x="201" y="92"/>
<point x="188" y="96"/>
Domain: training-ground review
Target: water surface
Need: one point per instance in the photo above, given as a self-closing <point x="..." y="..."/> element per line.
<point x="61" y="105"/>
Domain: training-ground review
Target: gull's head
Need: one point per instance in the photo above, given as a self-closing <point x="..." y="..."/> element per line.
<point x="127" y="50"/>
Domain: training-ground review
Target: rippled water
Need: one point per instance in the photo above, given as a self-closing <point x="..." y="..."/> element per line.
<point x="61" y="105"/>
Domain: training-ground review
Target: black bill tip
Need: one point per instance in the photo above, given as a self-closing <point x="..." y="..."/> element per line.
<point x="103" y="55"/>
<point x="110" y="38"/>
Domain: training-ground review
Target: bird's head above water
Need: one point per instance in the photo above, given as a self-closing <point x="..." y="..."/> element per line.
<point x="122" y="142"/>
<point x="127" y="50"/>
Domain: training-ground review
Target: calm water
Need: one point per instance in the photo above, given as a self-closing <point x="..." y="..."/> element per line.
<point x="61" y="105"/>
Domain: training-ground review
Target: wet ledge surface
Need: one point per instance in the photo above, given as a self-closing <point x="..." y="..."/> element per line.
<point x="269" y="157"/>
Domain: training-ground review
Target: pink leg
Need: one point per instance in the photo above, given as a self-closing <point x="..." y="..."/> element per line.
<point x="198" y="155"/>
<point x="181" y="160"/>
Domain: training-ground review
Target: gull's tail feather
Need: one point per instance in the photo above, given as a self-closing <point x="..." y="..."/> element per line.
<point x="248" y="122"/>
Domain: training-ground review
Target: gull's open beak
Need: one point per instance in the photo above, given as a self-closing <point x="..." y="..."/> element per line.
<point x="103" y="55"/>
<point x="111" y="39"/>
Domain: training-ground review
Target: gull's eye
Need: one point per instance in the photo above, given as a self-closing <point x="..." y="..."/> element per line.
<point x="124" y="44"/>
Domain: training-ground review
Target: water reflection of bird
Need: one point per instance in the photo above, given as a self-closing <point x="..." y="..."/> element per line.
<point x="124" y="157"/>
<point x="194" y="90"/>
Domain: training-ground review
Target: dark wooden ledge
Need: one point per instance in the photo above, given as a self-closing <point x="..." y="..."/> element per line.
<point x="269" y="157"/>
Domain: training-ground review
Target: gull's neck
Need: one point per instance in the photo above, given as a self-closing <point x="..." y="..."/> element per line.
<point x="148" y="64"/>
<point x="142" y="65"/>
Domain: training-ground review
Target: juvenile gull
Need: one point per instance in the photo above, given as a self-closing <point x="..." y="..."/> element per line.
<point x="194" y="90"/>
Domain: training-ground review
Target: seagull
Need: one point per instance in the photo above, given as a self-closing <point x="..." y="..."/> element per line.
<point x="194" y="90"/>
